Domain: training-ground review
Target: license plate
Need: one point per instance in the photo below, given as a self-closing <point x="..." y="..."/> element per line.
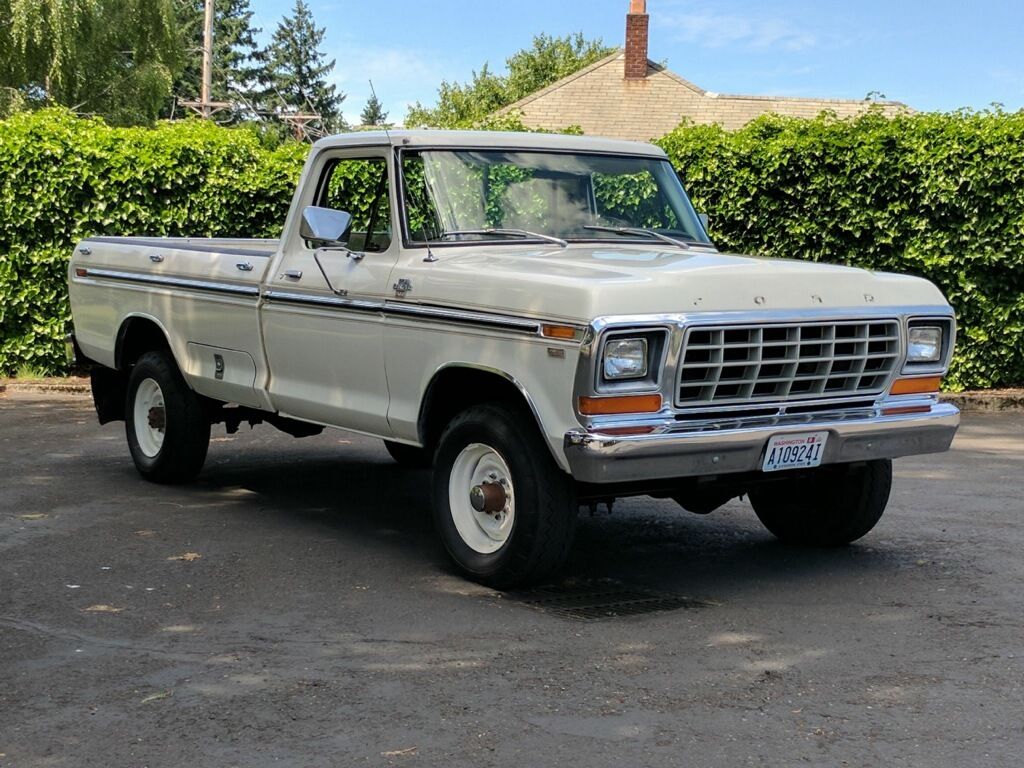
<point x="801" y="451"/>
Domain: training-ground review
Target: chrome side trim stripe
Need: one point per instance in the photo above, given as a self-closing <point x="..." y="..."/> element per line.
<point x="314" y="300"/>
<point x="169" y="282"/>
<point x="385" y="308"/>
<point x="407" y="309"/>
<point x="464" y="317"/>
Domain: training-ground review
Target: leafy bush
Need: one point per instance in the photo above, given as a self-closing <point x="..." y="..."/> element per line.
<point x="936" y="195"/>
<point x="63" y="179"/>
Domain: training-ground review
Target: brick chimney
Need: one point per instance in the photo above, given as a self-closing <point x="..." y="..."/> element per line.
<point x="637" y="23"/>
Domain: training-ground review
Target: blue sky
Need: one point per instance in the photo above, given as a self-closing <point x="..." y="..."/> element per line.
<point x="931" y="54"/>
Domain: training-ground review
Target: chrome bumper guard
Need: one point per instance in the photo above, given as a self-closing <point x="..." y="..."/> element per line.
<point x="681" y="449"/>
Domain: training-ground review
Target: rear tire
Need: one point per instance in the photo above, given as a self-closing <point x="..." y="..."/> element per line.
<point x="832" y="507"/>
<point x="526" y="536"/>
<point x="167" y="428"/>
<point x="409" y="456"/>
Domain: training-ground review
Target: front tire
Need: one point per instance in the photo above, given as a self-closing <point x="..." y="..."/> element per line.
<point x="833" y="506"/>
<point x="504" y="510"/>
<point x="167" y="428"/>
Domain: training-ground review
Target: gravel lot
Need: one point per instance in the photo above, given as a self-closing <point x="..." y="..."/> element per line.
<point x="293" y="608"/>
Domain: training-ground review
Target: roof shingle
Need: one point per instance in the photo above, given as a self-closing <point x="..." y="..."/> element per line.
<point x="603" y="102"/>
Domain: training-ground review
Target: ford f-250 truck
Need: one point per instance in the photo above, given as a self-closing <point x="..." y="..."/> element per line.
<point x="544" y="321"/>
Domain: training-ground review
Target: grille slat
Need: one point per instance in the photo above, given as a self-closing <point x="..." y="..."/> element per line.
<point x="787" y="361"/>
<point x="864" y="358"/>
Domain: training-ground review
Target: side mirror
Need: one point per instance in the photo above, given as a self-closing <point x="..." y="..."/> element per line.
<point x="325" y="226"/>
<point x="704" y="220"/>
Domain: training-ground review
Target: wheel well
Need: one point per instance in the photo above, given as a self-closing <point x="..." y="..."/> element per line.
<point x="137" y="336"/>
<point x="455" y="389"/>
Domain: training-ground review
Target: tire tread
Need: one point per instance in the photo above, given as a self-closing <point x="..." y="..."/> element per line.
<point x="826" y="510"/>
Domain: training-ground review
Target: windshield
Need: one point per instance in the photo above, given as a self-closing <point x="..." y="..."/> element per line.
<point x="454" y="196"/>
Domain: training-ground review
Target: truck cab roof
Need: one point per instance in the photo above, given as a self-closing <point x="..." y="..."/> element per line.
<point x="424" y="138"/>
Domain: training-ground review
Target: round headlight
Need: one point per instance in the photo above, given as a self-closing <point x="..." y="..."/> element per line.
<point x="625" y="359"/>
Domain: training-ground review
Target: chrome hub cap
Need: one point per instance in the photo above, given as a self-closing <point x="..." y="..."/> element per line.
<point x="150" y="417"/>
<point x="482" y="498"/>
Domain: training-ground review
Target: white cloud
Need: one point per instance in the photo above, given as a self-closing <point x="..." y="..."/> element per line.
<point x="713" y="28"/>
<point x="1009" y="78"/>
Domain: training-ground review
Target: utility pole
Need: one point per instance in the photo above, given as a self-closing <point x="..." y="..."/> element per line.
<point x="206" y="107"/>
<point x="207" y="58"/>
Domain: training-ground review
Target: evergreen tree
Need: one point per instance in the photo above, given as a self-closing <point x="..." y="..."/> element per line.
<point x="235" y="53"/>
<point x="373" y="113"/>
<point x="295" y="70"/>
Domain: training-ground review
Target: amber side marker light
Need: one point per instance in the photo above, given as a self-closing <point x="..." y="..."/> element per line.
<point x="904" y="410"/>
<point x="610" y="406"/>
<point x="79" y="272"/>
<point x="627" y="431"/>
<point x="566" y="332"/>
<point x="928" y="385"/>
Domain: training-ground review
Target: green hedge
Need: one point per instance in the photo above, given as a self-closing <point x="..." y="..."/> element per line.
<point x="936" y="195"/>
<point x="63" y="179"/>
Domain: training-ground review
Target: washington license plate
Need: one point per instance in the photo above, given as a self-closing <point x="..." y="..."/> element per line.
<point x="801" y="451"/>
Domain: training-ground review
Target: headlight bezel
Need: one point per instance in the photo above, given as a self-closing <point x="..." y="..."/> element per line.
<point x="656" y="342"/>
<point x="940" y="365"/>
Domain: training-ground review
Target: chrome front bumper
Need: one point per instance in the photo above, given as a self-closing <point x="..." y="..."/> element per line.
<point x="678" y="449"/>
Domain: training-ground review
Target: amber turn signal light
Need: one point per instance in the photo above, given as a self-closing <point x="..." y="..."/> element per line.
<point x="627" y="431"/>
<point x="906" y="410"/>
<point x="610" y="406"/>
<point x="928" y="385"/>
<point x="566" y="332"/>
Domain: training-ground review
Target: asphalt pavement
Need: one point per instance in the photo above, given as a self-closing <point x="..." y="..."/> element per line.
<point x="293" y="608"/>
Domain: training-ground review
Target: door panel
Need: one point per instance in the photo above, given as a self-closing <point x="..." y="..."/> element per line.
<point x="325" y="346"/>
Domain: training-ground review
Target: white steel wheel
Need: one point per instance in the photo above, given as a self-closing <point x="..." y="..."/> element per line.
<point x="504" y="510"/>
<point x="150" y="417"/>
<point x="482" y="498"/>
<point x="166" y="423"/>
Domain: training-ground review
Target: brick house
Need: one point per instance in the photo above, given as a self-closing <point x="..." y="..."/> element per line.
<point x="628" y="96"/>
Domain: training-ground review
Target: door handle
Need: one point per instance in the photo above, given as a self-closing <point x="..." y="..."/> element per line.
<point x="244" y="266"/>
<point x="293" y="274"/>
<point x="156" y="258"/>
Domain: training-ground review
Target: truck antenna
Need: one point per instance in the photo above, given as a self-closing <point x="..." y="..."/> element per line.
<point x="383" y="125"/>
<point x="431" y="258"/>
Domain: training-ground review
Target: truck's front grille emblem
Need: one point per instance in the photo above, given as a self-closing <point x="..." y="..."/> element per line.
<point x="787" y="361"/>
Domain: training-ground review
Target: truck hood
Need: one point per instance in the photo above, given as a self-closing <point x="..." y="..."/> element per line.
<point x="582" y="282"/>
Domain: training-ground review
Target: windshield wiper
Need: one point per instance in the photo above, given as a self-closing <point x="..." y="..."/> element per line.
<point x="508" y="233"/>
<point x="638" y="231"/>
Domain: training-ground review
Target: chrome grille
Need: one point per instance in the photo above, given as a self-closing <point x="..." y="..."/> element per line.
<point x="781" y="362"/>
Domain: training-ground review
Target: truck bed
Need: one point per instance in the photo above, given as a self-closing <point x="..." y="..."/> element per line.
<point x="207" y="289"/>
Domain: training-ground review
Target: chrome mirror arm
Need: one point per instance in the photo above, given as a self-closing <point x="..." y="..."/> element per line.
<point x="354" y="255"/>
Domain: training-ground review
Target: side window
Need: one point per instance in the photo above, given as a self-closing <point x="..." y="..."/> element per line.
<point x="360" y="187"/>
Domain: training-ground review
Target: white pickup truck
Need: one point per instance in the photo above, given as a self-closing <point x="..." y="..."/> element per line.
<point x="544" y="321"/>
